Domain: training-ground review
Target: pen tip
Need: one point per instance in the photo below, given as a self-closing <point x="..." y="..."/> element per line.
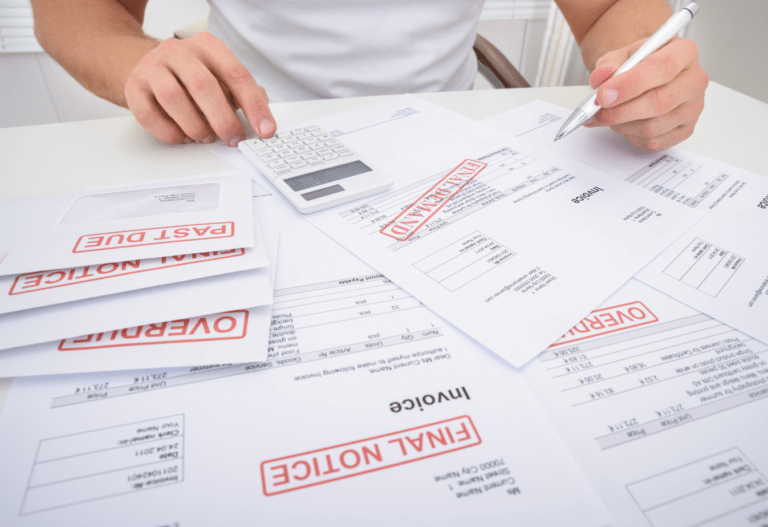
<point x="556" y="138"/>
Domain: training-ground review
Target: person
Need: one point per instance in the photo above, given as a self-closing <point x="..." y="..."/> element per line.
<point x="188" y="90"/>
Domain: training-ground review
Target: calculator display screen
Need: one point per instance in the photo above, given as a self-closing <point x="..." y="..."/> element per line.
<point x="327" y="175"/>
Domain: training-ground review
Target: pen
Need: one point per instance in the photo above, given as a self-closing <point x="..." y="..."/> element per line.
<point x="664" y="34"/>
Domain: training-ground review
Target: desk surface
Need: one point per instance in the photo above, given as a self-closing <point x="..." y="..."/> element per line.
<point x="68" y="157"/>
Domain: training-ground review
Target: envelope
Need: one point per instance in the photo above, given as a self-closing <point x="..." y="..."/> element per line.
<point x="236" y="336"/>
<point x="115" y="225"/>
<point x="192" y="298"/>
<point x="45" y="288"/>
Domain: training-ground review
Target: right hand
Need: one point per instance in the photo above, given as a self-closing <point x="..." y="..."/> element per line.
<point x="188" y="90"/>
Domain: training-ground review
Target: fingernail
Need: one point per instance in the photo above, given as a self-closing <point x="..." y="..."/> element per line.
<point x="208" y="139"/>
<point x="609" y="97"/>
<point x="266" y="128"/>
<point x="590" y="121"/>
<point x="235" y="140"/>
<point x="188" y="140"/>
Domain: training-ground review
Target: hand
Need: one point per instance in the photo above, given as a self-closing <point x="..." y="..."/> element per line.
<point x="188" y="90"/>
<point x="655" y="104"/>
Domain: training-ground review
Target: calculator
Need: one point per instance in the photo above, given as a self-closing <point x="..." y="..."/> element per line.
<point x="313" y="169"/>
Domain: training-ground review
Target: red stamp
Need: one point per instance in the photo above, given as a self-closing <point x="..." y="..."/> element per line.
<point x="153" y="236"/>
<point x="222" y="326"/>
<point x="31" y="282"/>
<point x="421" y="211"/>
<point x="609" y="320"/>
<point x="333" y="463"/>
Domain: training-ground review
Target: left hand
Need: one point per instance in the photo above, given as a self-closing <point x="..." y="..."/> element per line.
<point x="655" y="104"/>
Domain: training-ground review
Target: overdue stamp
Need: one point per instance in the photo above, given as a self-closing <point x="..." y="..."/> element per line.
<point x="231" y="325"/>
<point x="346" y="460"/>
<point x="425" y="207"/>
<point x="609" y="320"/>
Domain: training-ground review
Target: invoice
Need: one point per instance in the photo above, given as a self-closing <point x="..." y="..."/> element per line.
<point x="664" y="408"/>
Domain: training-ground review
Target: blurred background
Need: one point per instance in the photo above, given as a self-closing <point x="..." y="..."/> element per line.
<point x="731" y="36"/>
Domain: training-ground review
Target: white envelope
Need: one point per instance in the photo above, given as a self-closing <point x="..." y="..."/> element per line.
<point x="45" y="288"/>
<point x="214" y="294"/>
<point x="145" y="221"/>
<point x="231" y="337"/>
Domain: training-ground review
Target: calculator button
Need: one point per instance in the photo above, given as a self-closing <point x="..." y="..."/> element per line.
<point x="299" y="164"/>
<point x="293" y="143"/>
<point x="323" y="151"/>
<point x="339" y="147"/>
<point x="344" y="153"/>
<point x="286" y="153"/>
<point x="276" y="163"/>
<point x="257" y="145"/>
<point x="291" y="159"/>
<point x="323" y="137"/>
<point x="308" y="155"/>
<point x="317" y="146"/>
<point x="332" y="143"/>
<point x="301" y="149"/>
<point x="297" y="131"/>
<point x="310" y="141"/>
<point x="328" y="157"/>
<point x="282" y="170"/>
<point x="302" y="135"/>
<point x="269" y="157"/>
<point x="314" y="161"/>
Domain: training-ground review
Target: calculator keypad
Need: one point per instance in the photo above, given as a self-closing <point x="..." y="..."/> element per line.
<point x="298" y="148"/>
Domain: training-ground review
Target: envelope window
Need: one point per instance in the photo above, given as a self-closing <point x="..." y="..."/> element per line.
<point x="143" y="203"/>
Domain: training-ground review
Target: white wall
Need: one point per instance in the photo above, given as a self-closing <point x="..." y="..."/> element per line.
<point x="733" y="44"/>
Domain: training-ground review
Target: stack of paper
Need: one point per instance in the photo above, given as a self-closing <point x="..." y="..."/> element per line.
<point x="139" y="277"/>
<point x="488" y="357"/>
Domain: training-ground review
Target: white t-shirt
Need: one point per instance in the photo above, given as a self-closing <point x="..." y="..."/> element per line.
<point x="303" y="49"/>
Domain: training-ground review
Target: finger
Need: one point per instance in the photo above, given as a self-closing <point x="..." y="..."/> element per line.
<point x="658" y="126"/>
<point x="655" y="102"/>
<point x="668" y="140"/>
<point x="176" y="102"/>
<point x="182" y="59"/>
<point x="610" y="62"/>
<point x="246" y="93"/>
<point x="657" y="69"/>
<point x="150" y="115"/>
<point x="209" y="97"/>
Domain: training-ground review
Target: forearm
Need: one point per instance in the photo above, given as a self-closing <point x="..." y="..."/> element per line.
<point x="98" y="42"/>
<point x="601" y="26"/>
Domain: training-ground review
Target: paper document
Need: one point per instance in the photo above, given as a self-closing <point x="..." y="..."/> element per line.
<point x="191" y="298"/>
<point x="665" y="410"/>
<point x="692" y="180"/>
<point x="720" y="267"/>
<point x="390" y="417"/>
<point x="507" y="241"/>
<point x="104" y="226"/>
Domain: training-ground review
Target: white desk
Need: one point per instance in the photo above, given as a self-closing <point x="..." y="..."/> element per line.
<point x="68" y="157"/>
<point x="60" y="158"/>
